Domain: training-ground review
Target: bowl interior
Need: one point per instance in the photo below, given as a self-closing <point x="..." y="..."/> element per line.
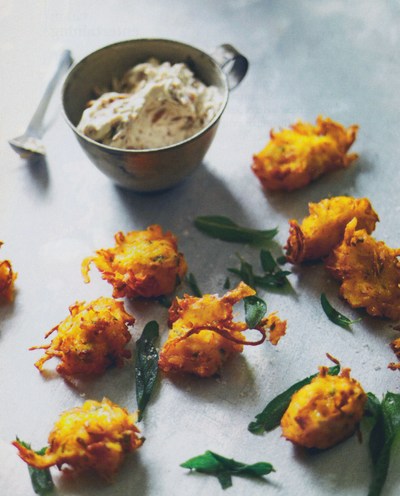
<point x="98" y="69"/>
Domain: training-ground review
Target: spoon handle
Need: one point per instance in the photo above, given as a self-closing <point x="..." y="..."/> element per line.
<point x="35" y="126"/>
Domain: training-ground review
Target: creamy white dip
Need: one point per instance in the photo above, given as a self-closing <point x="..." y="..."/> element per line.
<point x="154" y="105"/>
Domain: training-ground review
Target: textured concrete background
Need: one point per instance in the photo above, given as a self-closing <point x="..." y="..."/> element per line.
<point x="335" y="58"/>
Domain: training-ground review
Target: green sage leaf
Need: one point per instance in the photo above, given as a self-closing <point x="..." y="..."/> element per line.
<point x="146" y="365"/>
<point x="255" y="308"/>
<point x="203" y="463"/>
<point x="221" y="227"/>
<point x="273" y="276"/>
<point x="245" y="272"/>
<point x="275" y="280"/>
<point x="42" y="482"/>
<point x="225" y="479"/>
<point x="391" y="413"/>
<point x="271" y="416"/>
<point x="372" y="409"/>
<point x="256" y="469"/>
<point x="268" y="262"/>
<point x="382" y="437"/>
<point x="191" y="280"/>
<point x="223" y="468"/>
<point x="335" y="316"/>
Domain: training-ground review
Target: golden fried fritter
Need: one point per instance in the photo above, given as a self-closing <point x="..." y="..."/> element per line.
<point x="324" y="412"/>
<point x="323" y="229"/>
<point x="369" y="272"/>
<point x="143" y="263"/>
<point x="95" y="436"/>
<point x="203" y="334"/>
<point x="395" y="345"/>
<point x="295" y="157"/>
<point x="91" y="339"/>
<point x="7" y="278"/>
<point x="276" y="327"/>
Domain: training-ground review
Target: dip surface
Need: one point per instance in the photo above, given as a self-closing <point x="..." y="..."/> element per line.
<point x="153" y="105"/>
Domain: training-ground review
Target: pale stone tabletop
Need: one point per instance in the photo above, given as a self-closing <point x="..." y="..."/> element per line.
<point x="307" y="58"/>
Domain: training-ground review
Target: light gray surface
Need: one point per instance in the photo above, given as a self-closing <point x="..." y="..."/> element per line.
<point x="335" y="58"/>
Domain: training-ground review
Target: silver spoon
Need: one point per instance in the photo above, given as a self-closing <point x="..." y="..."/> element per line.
<point x="30" y="142"/>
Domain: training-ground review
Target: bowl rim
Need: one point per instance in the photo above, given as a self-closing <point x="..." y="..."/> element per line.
<point x="116" y="150"/>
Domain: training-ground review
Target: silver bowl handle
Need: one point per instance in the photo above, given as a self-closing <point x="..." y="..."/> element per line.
<point x="232" y="63"/>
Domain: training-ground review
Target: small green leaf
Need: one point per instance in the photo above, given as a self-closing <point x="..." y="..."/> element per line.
<point x="225" y="479"/>
<point x="372" y="413"/>
<point x="191" y="280"/>
<point x="255" y="308"/>
<point x="221" y="227"/>
<point x="223" y="468"/>
<point x="267" y="261"/>
<point x="236" y="468"/>
<point x="41" y="479"/>
<point x="271" y="416"/>
<point x="282" y="260"/>
<point x="383" y="434"/>
<point x="164" y="301"/>
<point x="273" y="276"/>
<point x="380" y="470"/>
<point x="206" y="462"/>
<point x="372" y="406"/>
<point x="275" y="280"/>
<point x="227" y="283"/>
<point x="146" y="365"/>
<point x="391" y="413"/>
<point x="334" y="316"/>
<point x="245" y="272"/>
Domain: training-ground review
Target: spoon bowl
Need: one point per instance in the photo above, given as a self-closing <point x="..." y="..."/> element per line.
<point x="30" y="142"/>
<point x="26" y="145"/>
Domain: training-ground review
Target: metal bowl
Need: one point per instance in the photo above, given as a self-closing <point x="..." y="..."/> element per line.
<point x="157" y="168"/>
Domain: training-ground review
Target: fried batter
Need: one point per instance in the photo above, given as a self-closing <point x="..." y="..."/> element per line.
<point x="369" y="272"/>
<point x="7" y="278"/>
<point x="295" y="157"/>
<point x="91" y="339"/>
<point x="143" y="263"/>
<point x="323" y="229"/>
<point x="95" y="436"/>
<point x="203" y="334"/>
<point x="324" y="412"/>
<point x="395" y="345"/>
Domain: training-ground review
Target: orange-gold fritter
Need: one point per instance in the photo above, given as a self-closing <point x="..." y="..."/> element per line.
<point x="7" y="278"/>
<point x="295" y="157"/>
<point x="96" y="436"/>
<point x="369" y="272"/>
<point x="323" y="229"/>
<point x="324" y="412"/>
<point x="395" y="345"/>
<point x="142" y="263"/>
<point x="91" y="339"/>
<point x="203" y="334"/>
